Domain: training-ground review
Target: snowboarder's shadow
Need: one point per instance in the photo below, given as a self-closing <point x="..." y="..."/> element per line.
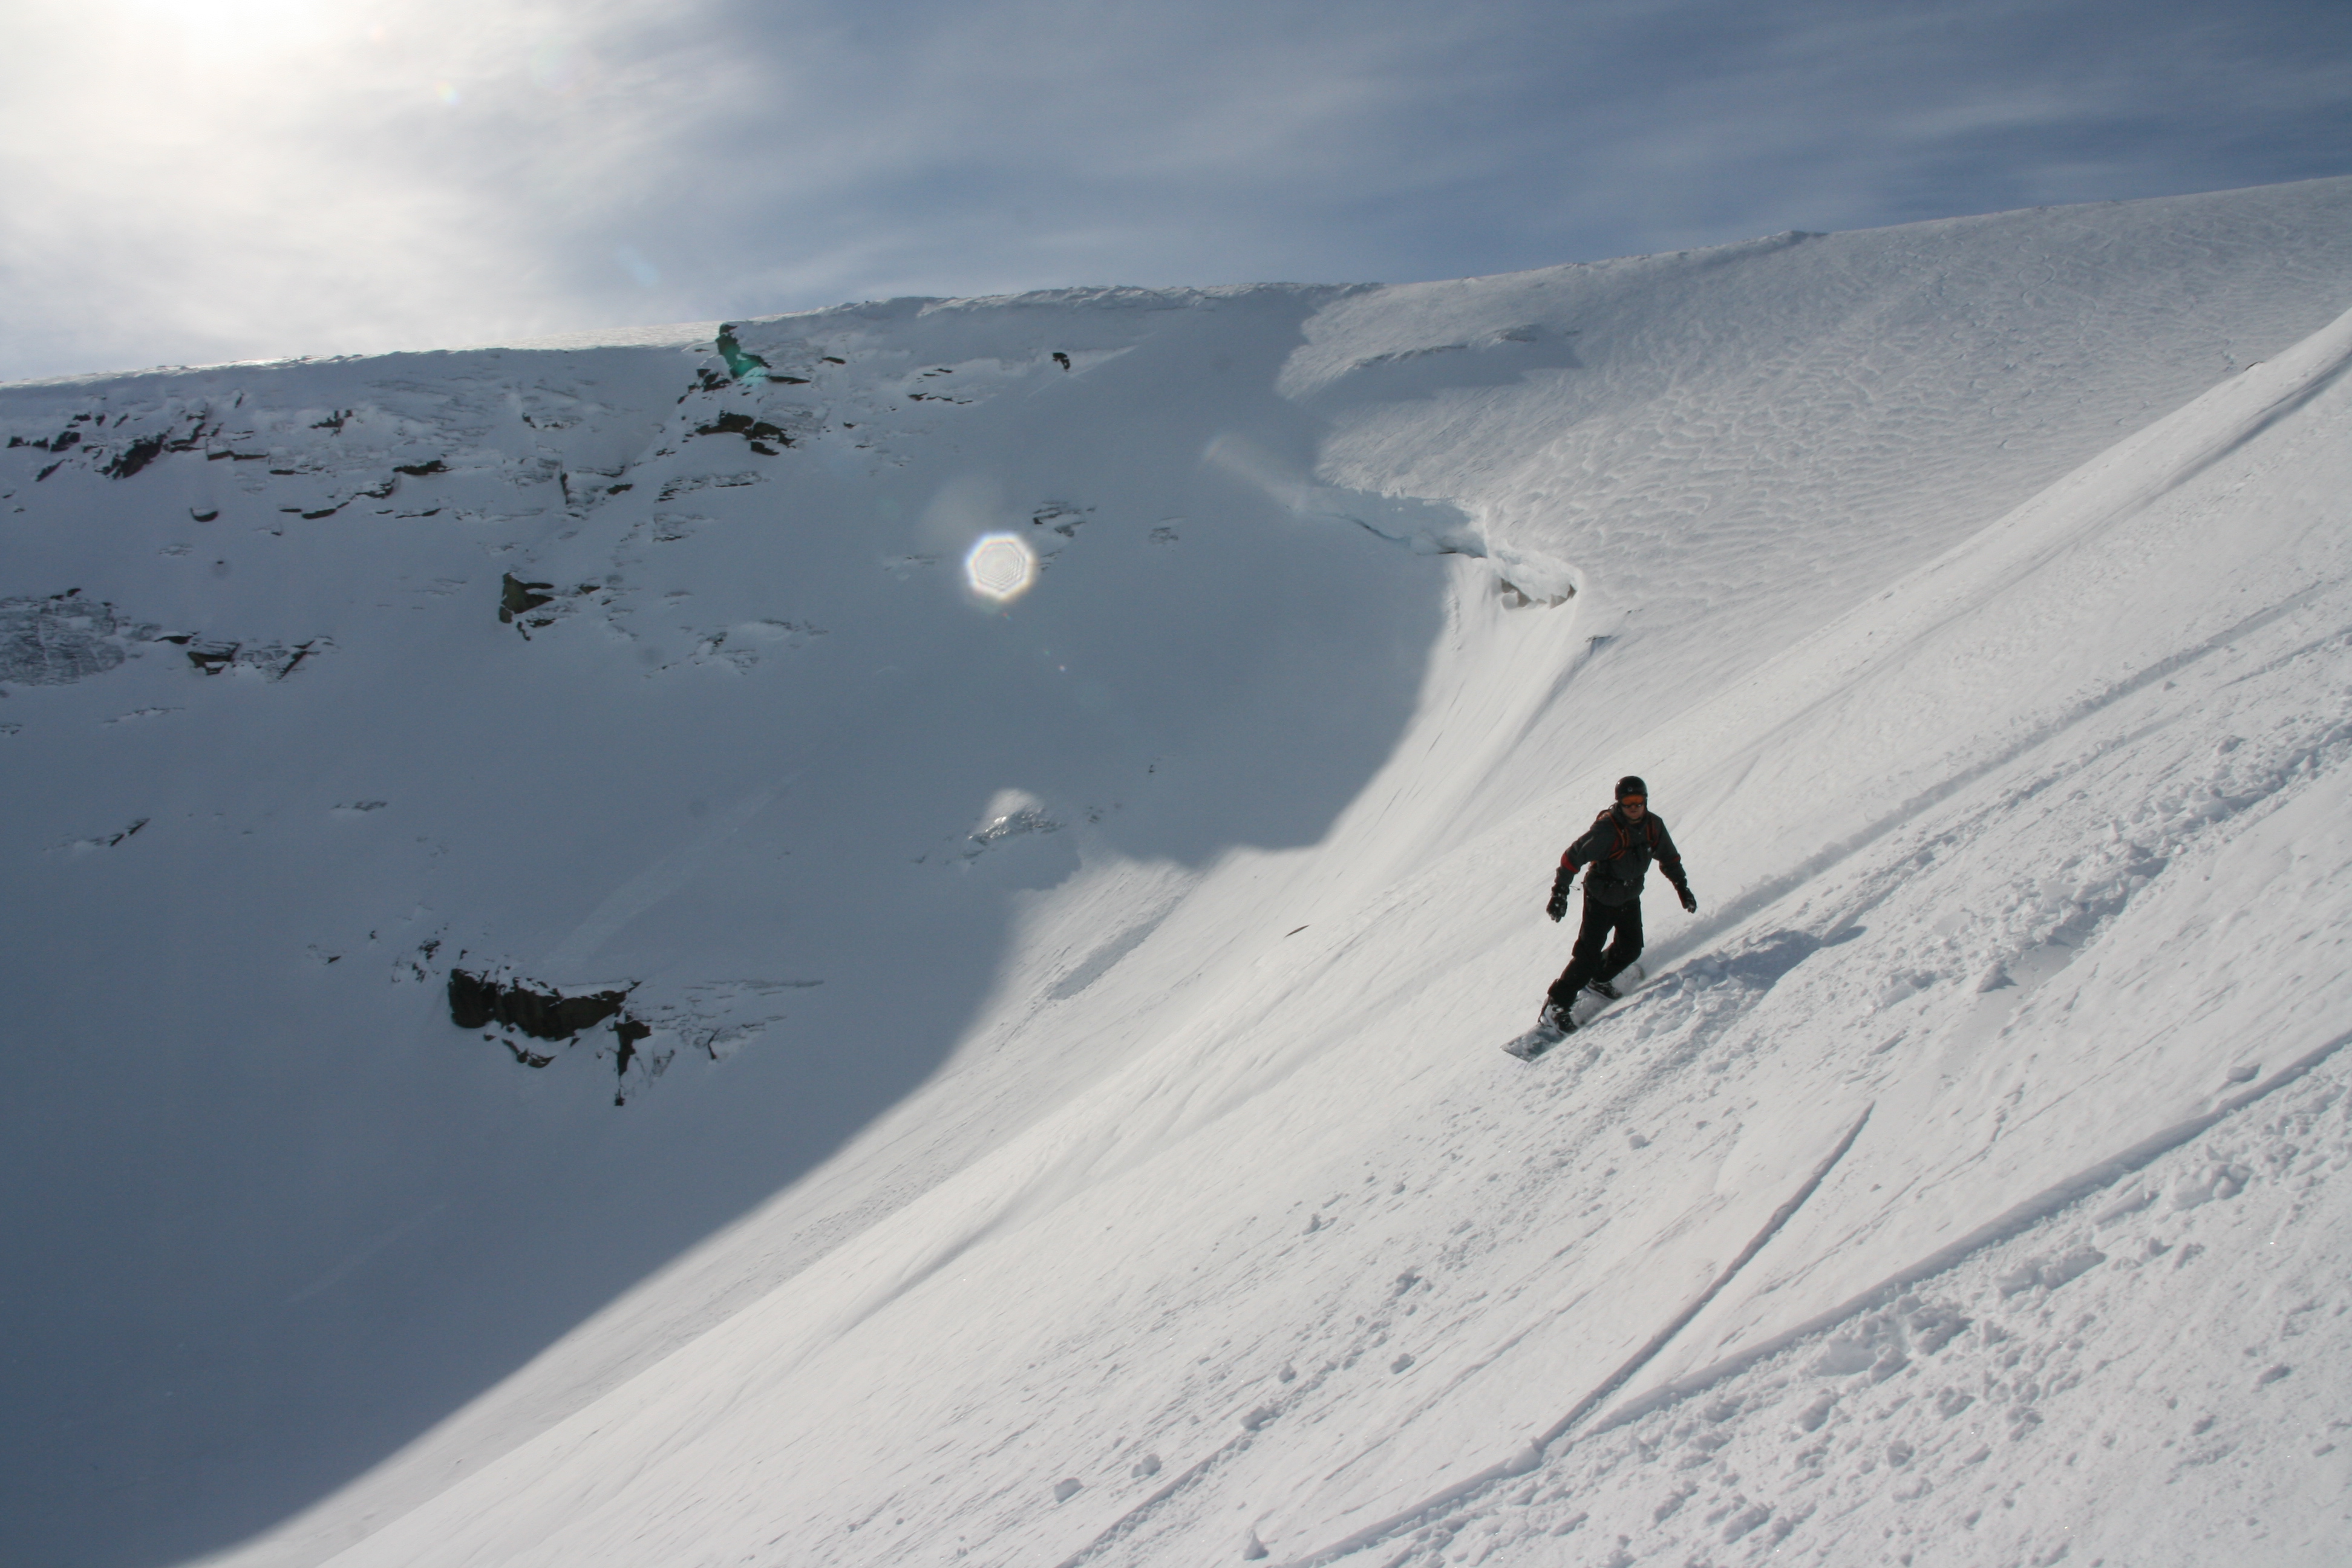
<point x="1763" y="962"/>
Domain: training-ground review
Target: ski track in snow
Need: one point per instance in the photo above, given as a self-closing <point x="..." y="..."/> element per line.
<point x="1068" y="1127"/>
<point x="1874" y="1431"/>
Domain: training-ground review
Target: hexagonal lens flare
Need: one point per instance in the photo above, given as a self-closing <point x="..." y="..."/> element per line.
<point x="1000" y="566"/>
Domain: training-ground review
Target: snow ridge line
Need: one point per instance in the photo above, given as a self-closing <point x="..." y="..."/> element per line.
<point x="1531" y="1454"/>
<point x="2023" y="1218"/>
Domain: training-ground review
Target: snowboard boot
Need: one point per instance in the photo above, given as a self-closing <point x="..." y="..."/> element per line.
<point x="1557" y="1019"/>
<point x="1603" y="988"/>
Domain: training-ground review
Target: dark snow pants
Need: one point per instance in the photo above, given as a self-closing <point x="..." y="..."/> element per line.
<point x="1587" y="962"/>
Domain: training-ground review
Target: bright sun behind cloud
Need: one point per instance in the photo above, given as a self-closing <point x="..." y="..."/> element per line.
<point x="284" y="176"/>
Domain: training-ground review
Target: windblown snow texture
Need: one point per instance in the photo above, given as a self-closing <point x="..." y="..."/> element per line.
<point x="584" y="998"/>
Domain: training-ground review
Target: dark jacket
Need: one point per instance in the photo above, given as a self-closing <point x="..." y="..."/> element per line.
<point x="1620" y="853"/>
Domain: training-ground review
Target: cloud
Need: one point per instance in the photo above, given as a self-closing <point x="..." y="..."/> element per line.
<point x="196" y="180"/>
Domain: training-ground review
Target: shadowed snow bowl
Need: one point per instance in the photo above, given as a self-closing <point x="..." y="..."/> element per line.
<point x="1000" y="566"/>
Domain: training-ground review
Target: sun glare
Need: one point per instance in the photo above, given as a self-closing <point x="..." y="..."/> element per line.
<point x="1000" y="566"/>
<point x="246" y="28"/>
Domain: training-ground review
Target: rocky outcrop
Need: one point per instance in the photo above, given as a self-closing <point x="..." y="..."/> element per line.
<point x="515" y="1007"/>
<point x="478" y="1001"/>
<point x="517" y="597"/>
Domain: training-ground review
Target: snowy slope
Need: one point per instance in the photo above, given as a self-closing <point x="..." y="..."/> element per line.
<point x="1070" y="1126"/>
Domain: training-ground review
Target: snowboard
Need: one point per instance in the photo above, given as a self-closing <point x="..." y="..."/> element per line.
<point x="1589" y="1006"/>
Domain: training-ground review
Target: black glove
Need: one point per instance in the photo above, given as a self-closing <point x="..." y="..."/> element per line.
<point x="1557" y="906"/>
<point x="1690" y="903"/>
<point x="1560" y="884"/>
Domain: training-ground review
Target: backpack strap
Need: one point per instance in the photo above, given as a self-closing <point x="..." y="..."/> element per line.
<point x="1625" y="834"/>
<point x="1624" y="840"/>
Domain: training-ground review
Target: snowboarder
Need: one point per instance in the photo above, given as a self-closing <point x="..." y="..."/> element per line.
<point x="1619" y="846"/>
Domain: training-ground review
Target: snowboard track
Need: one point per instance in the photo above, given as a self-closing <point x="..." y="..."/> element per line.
<point x="2016" y="1221"/>
<point x="2044" y="1205"/>
<point x="1531" y="1455"/>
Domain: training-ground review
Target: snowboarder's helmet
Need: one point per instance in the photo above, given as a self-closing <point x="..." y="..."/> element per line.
<point x="1631" y="784"/>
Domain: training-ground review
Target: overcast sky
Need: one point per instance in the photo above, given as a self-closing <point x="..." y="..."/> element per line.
<point x="190" y="181"/>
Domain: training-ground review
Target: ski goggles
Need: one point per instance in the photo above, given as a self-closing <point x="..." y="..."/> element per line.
<point x="1632" y="800"/>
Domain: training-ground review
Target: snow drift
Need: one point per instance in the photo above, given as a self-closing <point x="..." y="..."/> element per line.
<point x="951" y="1076"/>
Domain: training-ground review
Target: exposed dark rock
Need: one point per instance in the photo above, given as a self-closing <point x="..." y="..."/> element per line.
<point x="477" y="1001"/>
<point x="527" y="1058"/>
<point x="516" y="1007"/>
<point x="135" y="456"/>
<point x="629" y="1031"/>
<point x="275" y="660"/>
<point x="1061" y="517"/>
<point x="516" y="596"/>
<point x="418" y="471"/>
<point x="752" y="430"/>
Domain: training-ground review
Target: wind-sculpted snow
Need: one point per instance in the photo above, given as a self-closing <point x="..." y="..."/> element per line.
<point x="1063" y="1117"/>
<point x="1750" y="437"/>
